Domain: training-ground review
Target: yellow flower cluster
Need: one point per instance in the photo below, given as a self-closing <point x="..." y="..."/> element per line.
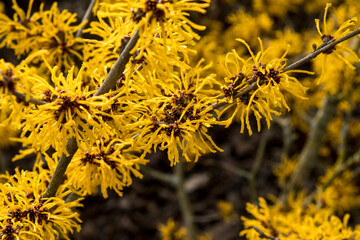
<point x="69" y="110"/>
<point x="49" y="30"/>
<point x="260" y="83"/>
<point x="108" y="164"/>
<point x="178" y="117"/>
<point x="26" y="214"/>
<point x="166" y="21"/>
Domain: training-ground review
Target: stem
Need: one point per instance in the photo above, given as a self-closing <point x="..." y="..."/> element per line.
<point x="250" y="88"/>
<point x="343" y="135"/>
<point x="235" y="170"/>
<point x="288" y="135"/>
<point x="184" y="202"/>
<point x="164" y="177"/>
<point x="86" y="17"/>
<point x="229" y="167"/>
<point x="57" y="177"/>
<point x="22" y="97"/>
<point x="257" y="163"/>
<point x="2" y="161"/>
<point x="263" y="235"/>
<point x="308" y="155"/>
<point x="119" y="66"/>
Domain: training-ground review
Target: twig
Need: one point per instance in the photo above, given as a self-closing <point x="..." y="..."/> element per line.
<point x="119" y="66"/>
<point x="57" y="177"/>
<point x="184" y="201"/>
<point x="287" y="134"/>
<point x="22" y="97"/>
<point x="71" y="145"/>
<point x="207" y="218"/>
<point x="343" y="135"/>
<point x="2" y="161"/>
<point x="229" y="167"/>
<point x="257" y="163"/>
<point x="309" y="153"/>
<point x="164" y="177"/>
<point x="86" y="17"/>
<point x="237" y="171"/>
<point x="263" y="235"/>
<point x="250" y="88"/>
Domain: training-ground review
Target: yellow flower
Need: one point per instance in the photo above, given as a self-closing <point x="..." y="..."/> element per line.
<point x="25" y="214"/>
<point x="57" y="36"/>
<point x="340" y="51"/>
<point x="267" y="97"/>
<point x="108" y="164"/>
<point x="70" y="111"/>
<point x="178" y="116"/>
<point x="158" y="19"/>
<point x="100" y="54"/>
<point x="49" y="30"/>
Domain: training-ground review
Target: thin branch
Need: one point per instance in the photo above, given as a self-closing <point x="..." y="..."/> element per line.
<point x="235" y="170"/>
<point x="207" y="218"/>
<point x="263" y="235"/>
<point x="309" y="153"/>
<point x="86" y="17"/>
<point x="229" y="167"/>
<point x="119" y="66"/>
<point x="250" y="88"/>
<point x="184" y="201"/>
<point x="288" y="135"/>
<point x="57" y="177"/>
<point x="163" y="177"/>
<point x="22" y="97"/>
<point x="3" y="161"/>
<point x="257" y="163"/>
<point x="341" y="152"/>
